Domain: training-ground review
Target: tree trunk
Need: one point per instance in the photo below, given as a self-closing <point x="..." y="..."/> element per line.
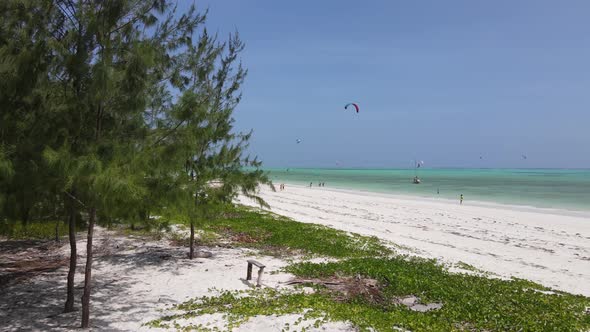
<point x="88" y="272"/>
<point x="57" y="231"/>
<point x="73" y="257"/>
<point x="192" y="251"/>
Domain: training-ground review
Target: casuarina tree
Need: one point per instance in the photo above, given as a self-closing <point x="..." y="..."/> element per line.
<point x="112" y="108"/>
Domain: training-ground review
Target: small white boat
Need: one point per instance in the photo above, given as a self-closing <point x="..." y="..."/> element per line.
<point x="417" y="165"/>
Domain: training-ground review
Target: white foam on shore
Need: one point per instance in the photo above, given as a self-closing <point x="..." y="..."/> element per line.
<point x="551" y="247"/>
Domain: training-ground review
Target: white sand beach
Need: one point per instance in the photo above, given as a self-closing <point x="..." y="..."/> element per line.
<point x="136" y="280"/>
<point x="546" y="246"/>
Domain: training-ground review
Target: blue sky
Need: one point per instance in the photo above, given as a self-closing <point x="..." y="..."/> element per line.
<point x="441" y="81"/>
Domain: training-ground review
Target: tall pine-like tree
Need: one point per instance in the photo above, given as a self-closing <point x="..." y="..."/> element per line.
<point x="112" y="108"/>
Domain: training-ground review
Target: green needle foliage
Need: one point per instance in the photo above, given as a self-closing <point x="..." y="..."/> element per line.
<point x="113" y="109"/>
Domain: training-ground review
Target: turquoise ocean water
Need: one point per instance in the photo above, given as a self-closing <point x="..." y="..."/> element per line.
<point x="546" y="188"/>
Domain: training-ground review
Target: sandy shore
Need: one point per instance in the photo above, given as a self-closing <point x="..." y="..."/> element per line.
<point x="548" y="247"/>
<point x="136" y="280"/>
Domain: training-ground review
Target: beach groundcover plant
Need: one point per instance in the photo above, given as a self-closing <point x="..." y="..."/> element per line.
<point x="469" y="303"/>
<point x="280" y="235"/>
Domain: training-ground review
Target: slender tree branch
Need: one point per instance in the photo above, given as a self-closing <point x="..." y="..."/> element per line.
<point x="135" y="19"/>
<point x="75" y="198"/>
<point x="168" y="133"/>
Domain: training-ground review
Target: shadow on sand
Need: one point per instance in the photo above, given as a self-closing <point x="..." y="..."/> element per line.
<point x="37" y="303"/>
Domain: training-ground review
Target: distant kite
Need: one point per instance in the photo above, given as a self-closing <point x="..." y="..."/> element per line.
<point x="524" y="157"/>
<point x="298" y="141"/>
<point x="356" y="107"/>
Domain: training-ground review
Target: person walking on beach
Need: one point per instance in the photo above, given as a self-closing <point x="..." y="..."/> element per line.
<point x="461" y="199"/>
<point x="310" y="184"/>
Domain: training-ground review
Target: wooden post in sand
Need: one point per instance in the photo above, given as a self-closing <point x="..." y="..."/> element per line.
<point x="260" y="271"/>
<point x="249" y="272"/>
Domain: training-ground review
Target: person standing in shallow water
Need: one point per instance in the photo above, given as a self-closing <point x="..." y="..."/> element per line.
<point x="461" y="199"/>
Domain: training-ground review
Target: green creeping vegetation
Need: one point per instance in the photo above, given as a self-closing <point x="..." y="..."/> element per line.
<point x="239" y="306"/>
<point x="273" y="233"/>
<point x="469" y="267"/>
<point x="470" y="303"/>
<point x="152" y="228"/>
<point x="33" y="230"/>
